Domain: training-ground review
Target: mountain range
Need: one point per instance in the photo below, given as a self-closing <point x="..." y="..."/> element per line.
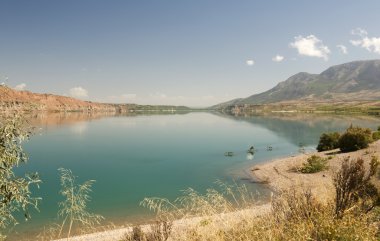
<point x="356" y="81"/>
<point x="353" y="81"/>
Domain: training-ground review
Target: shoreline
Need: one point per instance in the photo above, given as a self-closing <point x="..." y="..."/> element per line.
<point x="277" y="175"/>
<point x="178" y="225"/>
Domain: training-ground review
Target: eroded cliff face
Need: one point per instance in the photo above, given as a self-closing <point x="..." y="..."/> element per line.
<point x="11" y="100"/>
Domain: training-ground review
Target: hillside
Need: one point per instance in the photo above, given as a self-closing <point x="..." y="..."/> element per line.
<point x="11" y="99"/>
<point x="354" y="81"/>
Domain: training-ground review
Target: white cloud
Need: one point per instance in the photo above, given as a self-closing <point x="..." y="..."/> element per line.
<point x="278" y="58"/>
<point x="250" y="62"/>
<point x="21" y="86"/>
<point x="370" y="44"/>
<point x="359" y="32"/>
<point x="310" y="46"/>
<point x="78" y="92"/>
<point x="342" y="48"/>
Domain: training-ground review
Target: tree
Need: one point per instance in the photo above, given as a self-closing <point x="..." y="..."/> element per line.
<point x="73" y="207"/>
<point x="355" y="138"/>
<point x="15" y="193"/>
<point x="328" y="141"/>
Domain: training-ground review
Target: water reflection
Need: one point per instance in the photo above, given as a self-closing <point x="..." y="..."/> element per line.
<point x="300" y="129"/>
<point x="305" y="129"/>
<point x="79" y="128"/>
<point x="48" y="120"/>
<point x="250" y="156"/>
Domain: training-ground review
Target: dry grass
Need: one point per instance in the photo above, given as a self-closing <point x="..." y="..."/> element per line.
<point x="294" y="216"/>
<point x="224" y="199"/>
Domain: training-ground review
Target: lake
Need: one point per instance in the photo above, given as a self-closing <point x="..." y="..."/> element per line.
<point x="132" y="157"/>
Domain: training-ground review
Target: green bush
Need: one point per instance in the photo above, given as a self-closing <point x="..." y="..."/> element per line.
<point x="314" y="164"/>
<point x="15" y="190"/>
<point x="328" y="141"/>
<point x="376" y="135"/>
<point x="355" y="138"/>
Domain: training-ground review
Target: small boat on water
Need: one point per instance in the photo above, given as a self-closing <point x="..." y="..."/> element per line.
<point x="269" y="148"/>
<point x="251" y="150"/>
<point x="228" y="153"/>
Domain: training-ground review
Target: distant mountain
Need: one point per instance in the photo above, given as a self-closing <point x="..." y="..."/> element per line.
<point x="358" y="80"/>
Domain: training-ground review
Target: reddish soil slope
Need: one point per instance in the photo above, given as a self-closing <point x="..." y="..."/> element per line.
<point x="27" y="101"/>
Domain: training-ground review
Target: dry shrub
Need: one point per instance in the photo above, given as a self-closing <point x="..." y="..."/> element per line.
<point x="159" y="231"/>
<point x="48" y="232"/>
<point x="293" y="215"/>
<point x="353" y="186"/>
<point x="376" y="135"/>
<point x="202" y="214"/>
<point x="299" y="216"/>
<point x="227" y="198"/>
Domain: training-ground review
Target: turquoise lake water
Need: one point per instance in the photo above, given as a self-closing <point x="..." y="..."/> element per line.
<point x="132" y="157"/>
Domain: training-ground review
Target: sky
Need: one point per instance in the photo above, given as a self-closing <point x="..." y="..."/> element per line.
<point x="195" y="53"/>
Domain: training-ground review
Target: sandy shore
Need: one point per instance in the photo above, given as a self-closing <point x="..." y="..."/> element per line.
<point x="220" y="220"/>
<point x="278" y="175"/>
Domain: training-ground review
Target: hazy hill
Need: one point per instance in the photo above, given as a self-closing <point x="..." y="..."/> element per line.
<point x="358" y="80"/>
<point x="11" y="99"/>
